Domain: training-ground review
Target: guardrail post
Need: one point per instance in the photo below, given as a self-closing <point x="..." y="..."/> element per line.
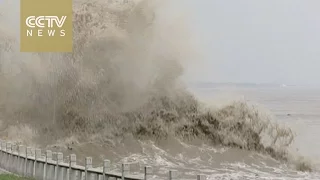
<point x="48" y="158"/>
<point x="201" y="177"/>
<point x="9" y="151"/>
<point x="147" y="171"/>
<point x="35" y="166"/>
<point x="88" y="165"/>
<point x="3" y="156"/>
<point x="1" y="153"/>
<point x="106" y="167"/>
<point x="20" y="160"/>
<point x="25" y="162"/>
<point x="72" y="163"/>
<point x="52" y="167"/>
<point x="14" y="148"/>
<point x="4" y="150"/>
<point x="172" y="174"/>
<point x="58" y="171"/>
<point x="4" y="145"/>
<point x="13" y="167"/>
<point x="68" y="170"/>
<point x="28" y="154"/>
<point x="124" y="169"/>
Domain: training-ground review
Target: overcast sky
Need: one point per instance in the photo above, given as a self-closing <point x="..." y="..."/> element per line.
<point x="261" y="41"/>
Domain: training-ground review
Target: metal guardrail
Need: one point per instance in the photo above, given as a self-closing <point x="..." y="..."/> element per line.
<point x="29" y="162"/>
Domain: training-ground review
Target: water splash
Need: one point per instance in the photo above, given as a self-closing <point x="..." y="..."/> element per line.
<point x="124" y="78"/>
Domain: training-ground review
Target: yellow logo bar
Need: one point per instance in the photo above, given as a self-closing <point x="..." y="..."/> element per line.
<point x="46" y="25"/>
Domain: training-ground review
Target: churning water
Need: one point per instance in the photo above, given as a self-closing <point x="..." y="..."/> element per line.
<point x="295" y="107"/>
<point x="119" y="95"/>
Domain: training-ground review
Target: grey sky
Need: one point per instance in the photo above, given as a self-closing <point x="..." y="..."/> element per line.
<point x="248" y="40"/>
<point x="258" y="41"/>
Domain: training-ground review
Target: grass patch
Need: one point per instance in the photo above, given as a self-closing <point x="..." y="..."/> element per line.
<point x="12" y="177"/>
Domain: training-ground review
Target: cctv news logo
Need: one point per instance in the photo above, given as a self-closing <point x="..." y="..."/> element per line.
<point x="45" y="26"/>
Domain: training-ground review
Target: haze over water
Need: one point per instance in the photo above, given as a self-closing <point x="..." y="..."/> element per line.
<point x="122" y="90"/>
<point x="293" y="106"/>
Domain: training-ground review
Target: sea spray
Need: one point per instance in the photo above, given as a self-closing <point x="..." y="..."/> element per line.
<point x="123" y="78"/>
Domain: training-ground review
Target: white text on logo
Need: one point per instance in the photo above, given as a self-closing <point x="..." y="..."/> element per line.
<point x="33" y="21"/>
<point x="45" y="22"/>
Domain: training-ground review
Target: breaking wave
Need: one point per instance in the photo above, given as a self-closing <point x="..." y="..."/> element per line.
<point x="123" y="79"/>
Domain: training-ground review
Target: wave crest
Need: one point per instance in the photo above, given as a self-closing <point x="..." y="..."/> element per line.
<point x="124" y="78"/>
